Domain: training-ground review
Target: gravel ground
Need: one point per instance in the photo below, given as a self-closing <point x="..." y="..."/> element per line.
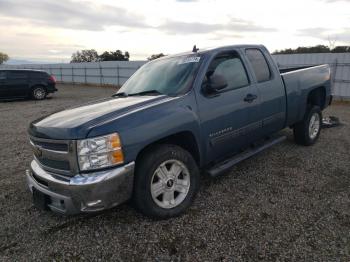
<point x="289" y="203"/>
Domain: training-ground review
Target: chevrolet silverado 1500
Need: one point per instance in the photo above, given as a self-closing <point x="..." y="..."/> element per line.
<point x="176" y="116"/>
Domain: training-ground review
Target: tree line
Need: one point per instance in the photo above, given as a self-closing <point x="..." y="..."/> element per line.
<point x="3" y="57"/>
<point x="91" y="55"/>
<point x="314" y="49"/>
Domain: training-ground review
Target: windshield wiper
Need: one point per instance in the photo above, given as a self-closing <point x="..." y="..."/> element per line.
<point x="147" y="92"/>
<point x="121" y="94"/>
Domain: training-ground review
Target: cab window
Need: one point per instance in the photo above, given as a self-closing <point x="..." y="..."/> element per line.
<point x="259" y="64"/>
<point x="230" y="67"/>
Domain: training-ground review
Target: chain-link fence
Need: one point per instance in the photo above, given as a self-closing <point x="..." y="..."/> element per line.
<point x="117" y="72"/>
<point x="101" y="73"/>
<point x="339" y="63"/>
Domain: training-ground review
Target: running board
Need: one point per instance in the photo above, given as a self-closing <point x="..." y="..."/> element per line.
<point x="220" y="168"/>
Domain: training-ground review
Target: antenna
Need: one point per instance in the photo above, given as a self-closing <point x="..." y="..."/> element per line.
<point x="195" y="49"/>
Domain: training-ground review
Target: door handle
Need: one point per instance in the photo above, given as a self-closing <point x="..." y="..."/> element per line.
<point x="250" y="98"/>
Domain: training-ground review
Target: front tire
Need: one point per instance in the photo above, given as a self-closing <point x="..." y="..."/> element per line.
<point x="166" y="181"/>
<point x="39" y="93"/>
<point x="308" y="130"/>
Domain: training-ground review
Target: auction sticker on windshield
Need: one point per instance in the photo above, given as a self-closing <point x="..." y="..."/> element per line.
<point x="190" y="59"/>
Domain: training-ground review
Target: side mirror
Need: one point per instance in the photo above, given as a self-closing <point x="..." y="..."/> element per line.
<point x="216" y="82"/>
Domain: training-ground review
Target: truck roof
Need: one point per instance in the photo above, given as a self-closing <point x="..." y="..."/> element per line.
<point x="218" y="48"/>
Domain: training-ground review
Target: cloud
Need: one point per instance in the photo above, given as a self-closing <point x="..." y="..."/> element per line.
<point x="240" y="25"/>
<point x="332" y="1"/>
<point x="81" y="15"/>
<point x="220" y="36"/>
<point x="317" y="32"/>
<point x="234" y="25"/>
<point x="173" y="27"/>
<point x="70" y="14"/>
<point x="343" y="36"/>
<point x="322" y="33"/>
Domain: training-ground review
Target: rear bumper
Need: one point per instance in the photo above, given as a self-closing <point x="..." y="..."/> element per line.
<point x="330" y="100"/>
<point x="51" y="88"/>
<point x="95" y="192"/>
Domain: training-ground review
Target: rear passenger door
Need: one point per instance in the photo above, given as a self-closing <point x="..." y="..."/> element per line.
<point x="271" y="91"/>
<point x="17" y="83"/>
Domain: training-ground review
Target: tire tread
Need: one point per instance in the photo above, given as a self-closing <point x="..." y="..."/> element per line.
<point x="145" y="167"/>
<point x="301" y="129"/>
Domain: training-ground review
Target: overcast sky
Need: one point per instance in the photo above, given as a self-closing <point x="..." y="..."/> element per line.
<point x="48" y="30"/>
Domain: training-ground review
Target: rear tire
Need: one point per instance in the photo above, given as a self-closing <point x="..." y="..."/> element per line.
<point x="166" y="181"/>
<point x="308" y="130"/>
<point x="39" y="93"/>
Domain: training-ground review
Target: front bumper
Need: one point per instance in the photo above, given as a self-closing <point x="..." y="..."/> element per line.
<point x="97" y="191"/>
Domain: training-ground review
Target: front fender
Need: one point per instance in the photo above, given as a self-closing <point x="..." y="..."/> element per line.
<point x="146" y="126"/>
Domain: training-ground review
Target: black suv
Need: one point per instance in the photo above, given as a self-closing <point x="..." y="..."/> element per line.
<point x="21" y="83"/>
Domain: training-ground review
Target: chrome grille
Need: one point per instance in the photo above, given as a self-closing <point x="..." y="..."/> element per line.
<point x="57" y="164"/>
<point x="56" y="156"/>
<point x="53" y="146"/>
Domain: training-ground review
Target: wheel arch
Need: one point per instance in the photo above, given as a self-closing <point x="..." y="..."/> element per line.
<point x="317" y="97"/>
<point x="183" y="139"/>
<point x="32" y="88"/>
<point x="38" y="85"/>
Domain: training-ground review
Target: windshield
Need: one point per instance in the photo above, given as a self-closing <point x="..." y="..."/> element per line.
<point x="170" y="76"/>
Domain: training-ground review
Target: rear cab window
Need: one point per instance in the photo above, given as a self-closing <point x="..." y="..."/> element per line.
<point x="259" y="64"/>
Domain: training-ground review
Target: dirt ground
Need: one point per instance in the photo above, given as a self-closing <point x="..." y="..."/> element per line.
<point x="289" y="203"/>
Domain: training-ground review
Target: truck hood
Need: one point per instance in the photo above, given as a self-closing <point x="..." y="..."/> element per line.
<point x="75" y="123"/>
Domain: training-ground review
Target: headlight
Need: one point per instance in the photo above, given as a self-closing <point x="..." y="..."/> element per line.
<point x="99" y="152"/>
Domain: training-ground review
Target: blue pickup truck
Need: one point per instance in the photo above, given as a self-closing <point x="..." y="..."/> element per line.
<point x="176" y="118"/>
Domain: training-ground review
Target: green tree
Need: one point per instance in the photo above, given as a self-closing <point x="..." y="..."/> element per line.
<point x="314" y="49"/>
<point x="155" y="56"/>
<point x="341" y="49"/>
<point x="305" y="50"/>
<point x="115" y="56"/>
<point x="89" y="55"/>
<point x="3" y="57"/>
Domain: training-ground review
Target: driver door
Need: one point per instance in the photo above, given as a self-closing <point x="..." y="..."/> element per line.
<point x="228" y="118"/>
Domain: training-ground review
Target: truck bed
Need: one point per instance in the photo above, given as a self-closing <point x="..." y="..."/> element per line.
<point x="298" y="82"/>
<point x="290" y="69"/>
